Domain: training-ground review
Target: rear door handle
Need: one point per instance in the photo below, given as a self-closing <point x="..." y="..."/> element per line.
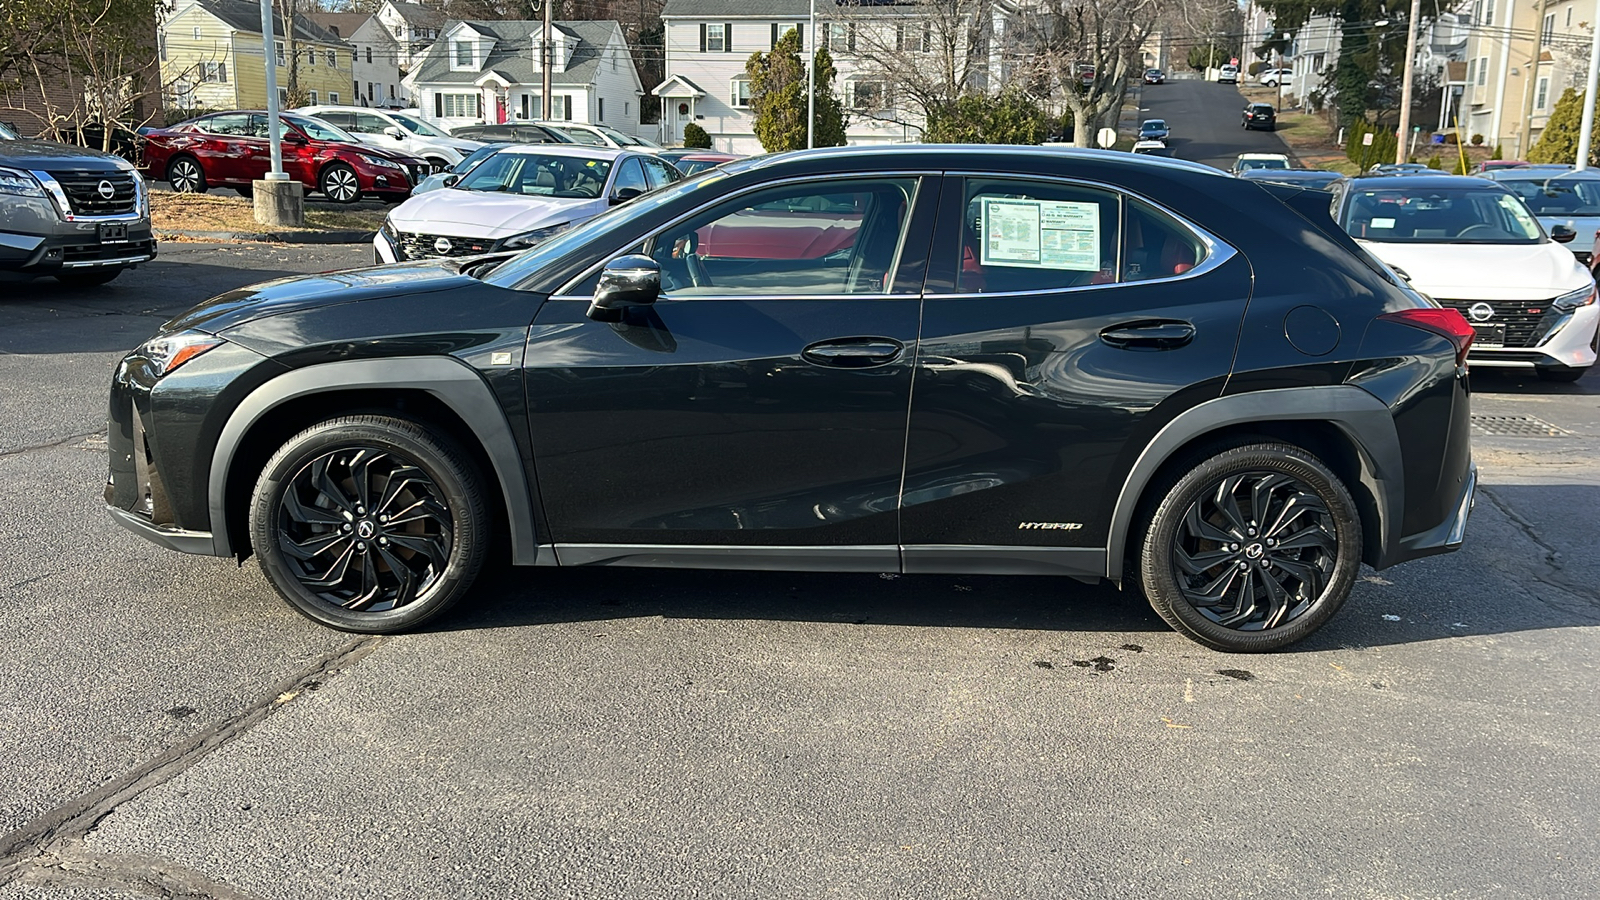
<point x="1156" y="335"/>
<point x="853" y="353"/>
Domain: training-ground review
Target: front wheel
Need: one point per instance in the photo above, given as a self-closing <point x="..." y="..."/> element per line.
<point x="186" y="176"/>
<point x="1252" y="549"/>
<point x="370" y="523"/>
<point x="339" y="184"/>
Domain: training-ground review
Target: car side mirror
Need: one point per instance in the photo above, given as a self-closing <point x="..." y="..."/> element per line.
<point x="627" y="282"/>
<point x="395" y="133"/>
<point x="1562" y="234"/>
<point x="623" y="195"/>
<point x="293" y="137"/>
<point x="450" y="180"/>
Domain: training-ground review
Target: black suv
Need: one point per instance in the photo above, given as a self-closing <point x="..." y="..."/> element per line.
<point x="1260" y="115"/>
<point x="906" y="359"/>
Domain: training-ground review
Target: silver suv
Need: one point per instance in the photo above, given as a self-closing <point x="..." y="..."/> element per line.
<point x="77" y="214"/>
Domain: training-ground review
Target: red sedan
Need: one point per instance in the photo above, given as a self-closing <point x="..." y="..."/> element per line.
<point x="232" y="149"/>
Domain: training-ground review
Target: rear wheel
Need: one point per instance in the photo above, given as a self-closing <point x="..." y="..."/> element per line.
<point x="339" y="184"/>
<point x="1252" y="549"/>
<point x="186" y="176"/>
<point x="370" y="523"/>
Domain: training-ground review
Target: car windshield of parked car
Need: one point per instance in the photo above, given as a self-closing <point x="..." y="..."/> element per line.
<point x="417" y="126"/>
<point x="1557" y="196"/>
<point x="7" y="134"/>
<point x="1245" y="165"/>
<point x="317" y="129"/>
<point x="1439" y="216"/>
<point x="475" y="157"/>
<point x="539" y="175"/>
<point x="1154" y="125"/>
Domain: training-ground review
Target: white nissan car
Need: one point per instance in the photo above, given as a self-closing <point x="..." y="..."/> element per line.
<point x="517" y="198"/>
<point x="1474" y="246"/>
<point x="396" y="131"/>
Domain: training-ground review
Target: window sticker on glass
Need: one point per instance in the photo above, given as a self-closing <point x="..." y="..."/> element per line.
<point x="1043" y="234"/>
<point x="1382" y="223"/>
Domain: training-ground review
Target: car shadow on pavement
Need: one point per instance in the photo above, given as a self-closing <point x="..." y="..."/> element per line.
<point x="1521" y="381"/>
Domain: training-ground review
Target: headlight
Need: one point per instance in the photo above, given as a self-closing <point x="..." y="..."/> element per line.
<point x="378" y="161"/>
<point x="1580" y="297"/>
<point x="530" y="238"/>
<point x="169" y="351"/>
<point x="17" y="183"/>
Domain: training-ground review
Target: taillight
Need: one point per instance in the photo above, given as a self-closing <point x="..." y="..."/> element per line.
<point x="1447" y="323"/>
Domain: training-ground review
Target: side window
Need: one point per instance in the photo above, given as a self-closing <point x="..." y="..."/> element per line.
<point x="825" y="238"/>
<point x="659" y="173"/>
<point x="630" y="176"/>
<point x="341" y="119"/>
<point x="367" y="123"/>
<point x="1036" y="236"/>
<point x="1154" y="245"/>
<point x="237" y="125"/>
<point x="587" y="137"/>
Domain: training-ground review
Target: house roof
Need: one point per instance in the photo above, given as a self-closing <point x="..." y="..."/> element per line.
<point x="417" y="14"/>
<point x="685" y="88"/>
<point x="512" y="57"/>
<point x="245" y="16"/>
<point x="342" y="24"/>
<point x="742" y="9"/>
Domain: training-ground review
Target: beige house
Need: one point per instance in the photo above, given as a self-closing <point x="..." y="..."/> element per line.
<point x="1520" y="58"/>
<point x="212" y="58"/>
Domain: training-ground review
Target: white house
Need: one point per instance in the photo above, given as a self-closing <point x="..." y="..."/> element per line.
<point x="413" y="27"/>
<point x="708" y="42"/>
<point x="491" y="72"/>
<point x="374" y="58"/>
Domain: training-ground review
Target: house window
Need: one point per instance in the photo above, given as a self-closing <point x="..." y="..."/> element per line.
<point x="197" y="32"/>
<point x="369" y="56"/>
<point x="527" y="107"/>
<point x="311" y="57"/>
<point x="277" y="47"/>
<point x="399" y="31"/>
<point x="1483" y="70"/>
<point x="391" y="92"/>
<point x="312" y="96"/>
<point x="716" y="39"/>
<point x="779" y="29"/>
<point x="333" y="97"/>
<point x="1488" y="12"/>
<point x="458" y="106"/>
<point x="161" y="45"/>
<point x="371" y="93"/>
<point x="624" y="110"/>
<point x="214" y="72"/>
<point x="463" y="53"/>
<point x="865" y="95"/>
<point x="333" y="59"/>
<point x="841" y="37"/>
<point x="1542" y="94"/>
<point x="283" y="97"/>
<point x="1548" y="30"/>
<point x="600" y="109"/>
<point x="1472" y="69"/>
<point x="913" y="37"/>
<point x="740" y="93"/>
<point x="1569" y="17"/>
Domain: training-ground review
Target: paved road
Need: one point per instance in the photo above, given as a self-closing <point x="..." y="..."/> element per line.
<point x="169" y="728"/>
<point x="1204" y="117"/>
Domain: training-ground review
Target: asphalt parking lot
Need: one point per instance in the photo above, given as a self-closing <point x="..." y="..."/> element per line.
<point x="170" y="728"/>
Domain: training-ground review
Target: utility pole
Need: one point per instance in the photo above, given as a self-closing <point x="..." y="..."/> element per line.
<point x="270" y="55"/>
<point x="811" y="78"/>
<point x="1525" y="136"/>
<point x="545" y="49"/>
<point x="1588" y="96"/>
<point x="1405" y="87"/>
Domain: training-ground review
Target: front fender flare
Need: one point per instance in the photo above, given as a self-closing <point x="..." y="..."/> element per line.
<point x="455" y="384"/>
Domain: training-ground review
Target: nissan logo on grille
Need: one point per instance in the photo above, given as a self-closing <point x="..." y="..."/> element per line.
<point x="443" y="246"/>
<point x="1480" y="312"/>
<point x="106" y="189"/>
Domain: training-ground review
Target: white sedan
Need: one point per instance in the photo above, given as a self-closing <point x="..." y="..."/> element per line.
<point x="517" y="198"/>
<point x="1275" y="77"/>
<point x="1472" y="245"/>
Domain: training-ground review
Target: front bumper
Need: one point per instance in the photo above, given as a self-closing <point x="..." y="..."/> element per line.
<point x="1559" y="339"/>
<point x="37" y="242"/>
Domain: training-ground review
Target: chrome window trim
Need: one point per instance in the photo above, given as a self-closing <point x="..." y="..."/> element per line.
<point x="1218" y="251"/>
<point x="561" y="293"/>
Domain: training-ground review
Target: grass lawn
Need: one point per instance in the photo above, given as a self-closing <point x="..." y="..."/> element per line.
<point x="204" y="212"/>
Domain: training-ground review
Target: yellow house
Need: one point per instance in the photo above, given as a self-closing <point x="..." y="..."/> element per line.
<point x="211" y="58"/>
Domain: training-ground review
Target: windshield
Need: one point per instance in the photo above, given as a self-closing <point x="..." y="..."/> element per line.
<point x="1154" y="124"/>
<point x="539" y="175"/>
<point x="477" y="156"/>
<point x="317" y="129"/>
<point x="7" y="134"/>
<point x="1557" y="196"/>
<point x="1246" y="165"/>
<point x="1422" y="215"/>
<point x="417" y="126"/>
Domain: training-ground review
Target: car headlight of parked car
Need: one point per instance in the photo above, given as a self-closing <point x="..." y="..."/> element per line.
<point x="379" y="162"/>
<point x="1578" y="298"/>
<point x="17" y="183"/>
<point x="167" y="352"/>
<point x="530" y="238"/>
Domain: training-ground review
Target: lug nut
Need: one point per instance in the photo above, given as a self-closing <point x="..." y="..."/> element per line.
<point x="1234" y="547"/>
<point x="383" y="518"/>
<point x="362" y="510"/>
<point x="383" y="542"/>
<point x="1271" y="542"/>
<point x="361" y="545"/>
<point x="346" y="527"/>
<point x="1252" y="532"/>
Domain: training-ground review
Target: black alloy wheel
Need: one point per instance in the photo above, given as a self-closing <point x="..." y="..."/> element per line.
<point x="339" y="184"/>
<point x="369" y="523"/>
<point x="1252" y="549"/>
<point x="186" y="176"/>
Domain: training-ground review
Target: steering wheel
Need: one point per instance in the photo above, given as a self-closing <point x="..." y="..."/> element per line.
<point x="1479" y="229"/>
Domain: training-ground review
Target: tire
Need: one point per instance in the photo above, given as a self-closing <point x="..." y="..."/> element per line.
<point x="339" y="183"/>
<point x="1563" y="375"/>
<point x="1206" y="527"/>
<point x="185" y="175"/>
<point x="88" y="278"/>
<point x="348" y="567"/>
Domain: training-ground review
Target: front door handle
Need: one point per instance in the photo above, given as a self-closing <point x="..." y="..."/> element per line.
<point x="853" y="353"/>
<point x="1148" y="335"/>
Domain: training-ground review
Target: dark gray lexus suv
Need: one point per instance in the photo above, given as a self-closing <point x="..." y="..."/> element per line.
<point x="77" y="214"/>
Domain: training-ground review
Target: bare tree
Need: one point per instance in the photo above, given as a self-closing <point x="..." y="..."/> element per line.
<point x="1088" y="50"/>
<point x="926" y="54"/>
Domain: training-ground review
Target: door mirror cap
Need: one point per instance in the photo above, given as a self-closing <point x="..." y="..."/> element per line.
<point x="395" y="132"/>
<point x="623" y="195"/>
<point x="626" y="282"/>
<point x="1562" y="234"/>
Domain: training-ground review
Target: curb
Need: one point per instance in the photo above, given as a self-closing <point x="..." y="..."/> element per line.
<point x="273" y="237"/>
